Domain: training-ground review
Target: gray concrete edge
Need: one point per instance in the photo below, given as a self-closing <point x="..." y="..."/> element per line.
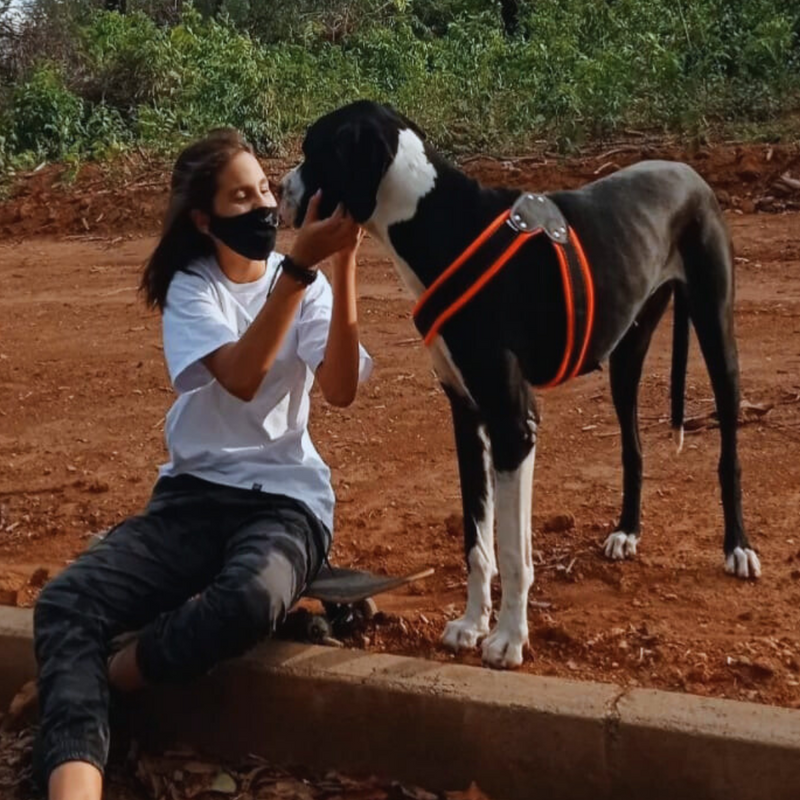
<point x="441" y="725"/>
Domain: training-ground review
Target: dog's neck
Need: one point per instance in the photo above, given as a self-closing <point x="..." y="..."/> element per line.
<point x="427" y="211"/>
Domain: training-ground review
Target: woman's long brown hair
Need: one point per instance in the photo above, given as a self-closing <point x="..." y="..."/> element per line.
<point x="193" y="186"/>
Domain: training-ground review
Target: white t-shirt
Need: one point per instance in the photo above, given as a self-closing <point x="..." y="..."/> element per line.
<point x="263" y="444"/>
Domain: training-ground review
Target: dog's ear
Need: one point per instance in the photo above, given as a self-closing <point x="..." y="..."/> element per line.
<point x="362" y="154"/>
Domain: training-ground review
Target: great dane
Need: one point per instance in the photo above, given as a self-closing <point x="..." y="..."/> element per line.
<point x="649" y="232"/>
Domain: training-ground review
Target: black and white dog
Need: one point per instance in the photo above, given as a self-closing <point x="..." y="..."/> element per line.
<point x="651" y="231"/>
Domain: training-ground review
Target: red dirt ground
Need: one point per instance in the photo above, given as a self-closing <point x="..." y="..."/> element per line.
<point x="83" y="393"/>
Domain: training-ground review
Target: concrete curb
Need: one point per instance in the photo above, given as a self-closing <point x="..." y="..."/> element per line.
<point x="442" y="725"/>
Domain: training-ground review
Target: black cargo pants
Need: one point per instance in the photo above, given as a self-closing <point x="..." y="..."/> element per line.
<point x="204" y="573"/>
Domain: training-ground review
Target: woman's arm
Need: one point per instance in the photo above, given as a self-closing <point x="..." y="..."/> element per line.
<point x="338" y="373"/>
<point x="241" y="366"/>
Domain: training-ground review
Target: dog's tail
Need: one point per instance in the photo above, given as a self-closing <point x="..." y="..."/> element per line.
<point x="680" y="357"/>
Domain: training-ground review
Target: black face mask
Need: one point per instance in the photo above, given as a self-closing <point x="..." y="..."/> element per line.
<point x="251" y="234"/>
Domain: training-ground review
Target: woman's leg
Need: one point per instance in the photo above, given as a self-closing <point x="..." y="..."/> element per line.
<point x="268" y="562"/>
<point x="147" y="565"/>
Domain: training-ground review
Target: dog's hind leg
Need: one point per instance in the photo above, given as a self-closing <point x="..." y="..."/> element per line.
<point x="710" y="290"/>
<point x="477" y="499"/>
<point x="625" y="367"/>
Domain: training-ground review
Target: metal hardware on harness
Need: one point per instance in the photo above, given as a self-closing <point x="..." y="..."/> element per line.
<point x="538" y="212"/>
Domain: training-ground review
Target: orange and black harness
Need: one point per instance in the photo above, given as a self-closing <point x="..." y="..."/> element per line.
<point x="530" y="216"/>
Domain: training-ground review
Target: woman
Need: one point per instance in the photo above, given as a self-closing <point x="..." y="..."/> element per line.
<point x="240" y="519"/>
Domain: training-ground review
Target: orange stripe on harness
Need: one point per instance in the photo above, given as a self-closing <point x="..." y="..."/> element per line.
<point x="589" y="287"/>
<point x="566" y="280"/>
<point x="477" y="286"/>
<point x="572" y="269"/>
<point x="460" y="261"/>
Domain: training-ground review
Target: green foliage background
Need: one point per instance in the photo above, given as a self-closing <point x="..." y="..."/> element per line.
<point x="79" y="80"/>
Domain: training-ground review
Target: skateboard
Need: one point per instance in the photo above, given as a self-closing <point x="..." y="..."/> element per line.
<point x="347" y="601"/>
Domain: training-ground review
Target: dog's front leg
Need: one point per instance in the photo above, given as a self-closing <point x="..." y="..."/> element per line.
<point x="477" y="498"/>
<point x="504" y="646"/>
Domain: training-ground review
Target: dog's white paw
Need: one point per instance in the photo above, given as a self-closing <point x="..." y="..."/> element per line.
<point x="463" y="634"/>
<point x="503" y="648"/>
<point x="620" y="545"/>
<point x="743" y="563"/>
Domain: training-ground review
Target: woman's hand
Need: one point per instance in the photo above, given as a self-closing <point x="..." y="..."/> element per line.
<point x="337" y="375"/>
<point x="346" y="257"/>
<point x="319" y="239"/>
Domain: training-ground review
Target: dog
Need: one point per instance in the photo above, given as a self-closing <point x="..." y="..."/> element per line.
<point x="648" y="233"/>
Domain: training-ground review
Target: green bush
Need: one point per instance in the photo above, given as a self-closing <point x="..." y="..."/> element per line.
<point x="163" y="73"/>
<point x="127" y="61"/>
<point x="45" y="116"/>
<point x="105" y="132"/>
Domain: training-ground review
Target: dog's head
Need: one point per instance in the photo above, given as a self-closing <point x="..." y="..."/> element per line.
<point x="347" y="153"/>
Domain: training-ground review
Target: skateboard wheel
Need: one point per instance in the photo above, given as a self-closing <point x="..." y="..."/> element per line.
<point x="318" y="629"/>
<point x="367" y="609"/>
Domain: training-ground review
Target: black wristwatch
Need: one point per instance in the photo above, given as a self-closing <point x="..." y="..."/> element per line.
<point x="304" y="275"/>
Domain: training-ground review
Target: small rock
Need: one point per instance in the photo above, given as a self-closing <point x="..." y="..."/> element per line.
<point x="748" y="206"/>
<point x="723" y="198"/>
<point x="98" y="487"/>
<point x="454" y="525"/>
<point x="763" y="668"/>
<point x="39" y="577"/>
<point x="559" y="523"/>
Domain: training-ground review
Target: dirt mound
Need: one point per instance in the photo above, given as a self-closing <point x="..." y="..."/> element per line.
<point x="127" y="197"/>
<point x="745" y="176"/>
<point x="130" y="195"/>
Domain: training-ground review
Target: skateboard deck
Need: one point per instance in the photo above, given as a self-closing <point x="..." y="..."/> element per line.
<point x="347" y="586"/>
